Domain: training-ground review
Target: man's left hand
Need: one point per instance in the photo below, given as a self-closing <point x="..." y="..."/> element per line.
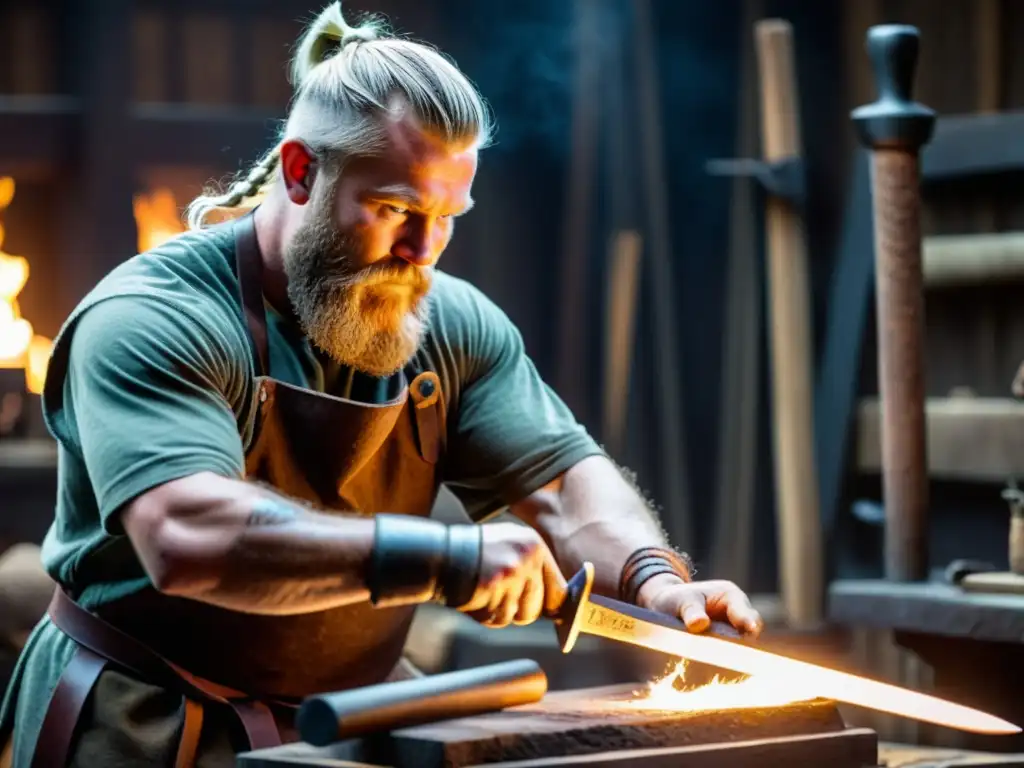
<point x="698" y="603"/>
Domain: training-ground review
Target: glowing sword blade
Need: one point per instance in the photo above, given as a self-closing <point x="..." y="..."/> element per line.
<point x="604" y="617"/>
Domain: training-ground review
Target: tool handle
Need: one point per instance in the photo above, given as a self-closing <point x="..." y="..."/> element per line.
<point x="799" y="538"/>
<point x="331" y="717"/>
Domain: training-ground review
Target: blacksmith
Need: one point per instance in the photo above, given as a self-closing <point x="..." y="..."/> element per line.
<point x="254" y="420"/>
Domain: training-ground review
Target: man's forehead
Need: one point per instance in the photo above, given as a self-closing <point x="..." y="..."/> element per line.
<point x="408" y="143"/>
<point x="415" y="165"/>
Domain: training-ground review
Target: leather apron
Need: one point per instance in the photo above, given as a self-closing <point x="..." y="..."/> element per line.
<point x="334" y="453"/>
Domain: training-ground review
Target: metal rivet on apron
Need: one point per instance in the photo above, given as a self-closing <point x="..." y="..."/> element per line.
<point x="426" y="388"/>
<point x="263" y="394"/>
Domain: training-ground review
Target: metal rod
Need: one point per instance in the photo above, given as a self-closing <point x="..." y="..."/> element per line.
<point x="331" y="717"/>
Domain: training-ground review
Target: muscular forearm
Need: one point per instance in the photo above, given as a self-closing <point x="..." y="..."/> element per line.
<point x="240" y="546"/>
<point x="592" y="513"/>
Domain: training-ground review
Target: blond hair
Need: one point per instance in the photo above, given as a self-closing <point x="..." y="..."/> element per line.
<point x="346" y="79"/>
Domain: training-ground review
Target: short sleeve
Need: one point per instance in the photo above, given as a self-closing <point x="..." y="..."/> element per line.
<point x="146" y="398"/>
<point x="510" y="434"/>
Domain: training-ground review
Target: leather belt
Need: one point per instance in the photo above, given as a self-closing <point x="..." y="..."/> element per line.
<point x="101" y="644"/>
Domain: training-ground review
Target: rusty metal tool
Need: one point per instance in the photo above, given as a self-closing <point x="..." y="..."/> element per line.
<point x="583" y="612"/>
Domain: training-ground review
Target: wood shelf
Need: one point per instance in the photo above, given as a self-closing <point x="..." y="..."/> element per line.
<point x="37" y="132"/>
<point x="183" y="134"/>
<point x="957" y="260"/>
<point x="43" y="133"/>
<point x="974" y="439"/>
<point x="974" y="144"/>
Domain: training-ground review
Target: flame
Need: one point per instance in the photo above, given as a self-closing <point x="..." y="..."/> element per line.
<point x="156" y="218"/>
<point x="671" y="693"/>
<point x="20" y="346"/>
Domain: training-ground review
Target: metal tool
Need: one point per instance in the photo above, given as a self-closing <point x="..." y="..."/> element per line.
<point x="601" y="616"/>
<point x="894" y="128"/>
<point x="327" y="718"/>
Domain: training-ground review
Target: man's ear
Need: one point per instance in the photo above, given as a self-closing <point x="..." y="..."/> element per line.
<point x="298" y="165"/>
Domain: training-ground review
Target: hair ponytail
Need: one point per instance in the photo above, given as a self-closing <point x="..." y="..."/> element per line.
<point x="326" y="36"/>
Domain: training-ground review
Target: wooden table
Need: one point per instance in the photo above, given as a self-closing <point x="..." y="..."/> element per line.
<point x="974" y="642"/>
<point x="890" y="755"/>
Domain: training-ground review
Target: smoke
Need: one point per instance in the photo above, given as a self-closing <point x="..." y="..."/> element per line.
<point x="524" y="62"/>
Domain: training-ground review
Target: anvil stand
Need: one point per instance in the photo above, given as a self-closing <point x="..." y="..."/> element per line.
<point x="974" y="642"/>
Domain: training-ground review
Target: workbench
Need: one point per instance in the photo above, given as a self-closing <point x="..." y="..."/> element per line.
<point x="973" y="641"/>
<point x="889" y="755"/>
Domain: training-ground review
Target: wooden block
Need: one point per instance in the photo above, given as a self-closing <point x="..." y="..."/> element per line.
<point x="849" y="748"/>
<point x="1000" y="583"/>
<point x="583" y="722"/>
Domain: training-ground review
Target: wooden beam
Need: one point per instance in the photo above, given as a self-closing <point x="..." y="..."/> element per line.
<point x="973" y="259"/>
<point x="176" y="134"/>
<point x="969" y="438"/>
<point x="45" y="133"/>
<point x="274" y="9"/>
<point x="39" y="132"/>
<point x="969" y="145"/>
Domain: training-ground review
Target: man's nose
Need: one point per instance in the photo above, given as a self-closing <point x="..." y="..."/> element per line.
<point x="415" y="244"/>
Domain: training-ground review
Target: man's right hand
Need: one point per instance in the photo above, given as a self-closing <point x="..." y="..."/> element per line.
<point x="519" y="579"/>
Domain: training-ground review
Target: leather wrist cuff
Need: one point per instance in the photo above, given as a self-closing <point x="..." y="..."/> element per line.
<point x="462" y="564"/>
<point x="416" y="560"/>
<point x="648" y="562"/>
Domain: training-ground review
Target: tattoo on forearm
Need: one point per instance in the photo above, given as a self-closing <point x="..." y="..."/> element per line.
<point x="268" y="511"/>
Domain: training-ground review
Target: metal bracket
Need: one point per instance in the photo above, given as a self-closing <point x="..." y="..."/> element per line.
<point x="783" y="178"/>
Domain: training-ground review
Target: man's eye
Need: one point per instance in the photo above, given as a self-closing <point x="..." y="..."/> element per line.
<point x="397" y="209"/>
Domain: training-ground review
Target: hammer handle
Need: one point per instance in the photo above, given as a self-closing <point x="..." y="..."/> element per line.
<point x="900" y="308"/>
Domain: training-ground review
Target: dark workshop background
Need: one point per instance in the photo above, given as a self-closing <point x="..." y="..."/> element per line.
<point x="106" y="99"/>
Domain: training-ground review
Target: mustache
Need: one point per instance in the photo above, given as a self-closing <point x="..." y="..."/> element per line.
<point x="397" y="273"/>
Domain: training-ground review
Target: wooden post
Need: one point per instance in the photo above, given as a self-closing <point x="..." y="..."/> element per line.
<point x="895" y="128"/>
<point x="94" y="201"/>
<point x="796" y="486"/>
<point x="571" y="363"/>
<point x="673" y="459"/>
<point x="732" y="548"/>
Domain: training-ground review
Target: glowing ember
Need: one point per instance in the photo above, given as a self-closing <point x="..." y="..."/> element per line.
<point x="671" y="693"/>
<point x="20" y="347"/>
<point x="156" y="218"/>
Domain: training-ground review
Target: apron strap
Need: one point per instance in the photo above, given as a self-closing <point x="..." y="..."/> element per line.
<point x="249" y="266"/>
<point x="101" y="644"/>
<point x="76" y="683"/>
<point x="191" y="730"/>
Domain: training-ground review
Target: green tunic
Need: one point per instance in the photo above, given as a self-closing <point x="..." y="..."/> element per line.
<point x="152" y="380"/>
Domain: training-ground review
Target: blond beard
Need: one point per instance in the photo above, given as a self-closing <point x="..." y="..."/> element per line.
<point x="331" y="299"/>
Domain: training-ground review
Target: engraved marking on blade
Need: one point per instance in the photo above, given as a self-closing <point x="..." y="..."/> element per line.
<point x="602" y="618"/>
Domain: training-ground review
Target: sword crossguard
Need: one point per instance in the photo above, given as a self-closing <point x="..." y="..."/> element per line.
<point x="577" y="593"/>
<point x="577" y="596"/>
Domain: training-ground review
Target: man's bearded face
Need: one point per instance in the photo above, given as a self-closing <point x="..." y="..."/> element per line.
<point x="372" y="318"/>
